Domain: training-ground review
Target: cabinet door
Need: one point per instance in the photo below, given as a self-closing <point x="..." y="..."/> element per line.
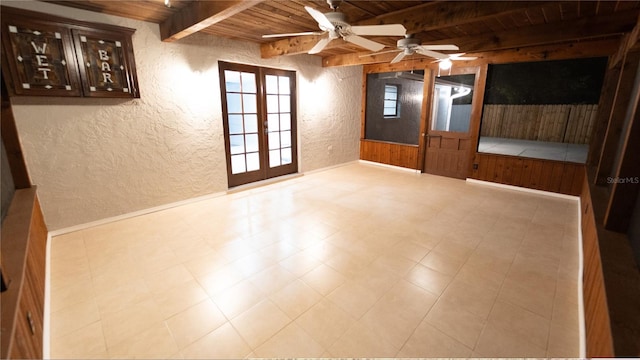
<point x="39" y="57"/>
<point x="107" y="66"/>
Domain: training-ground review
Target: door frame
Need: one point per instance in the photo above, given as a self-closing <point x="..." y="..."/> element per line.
<point x="477" y="102"/>
<point x="265" y="172"/>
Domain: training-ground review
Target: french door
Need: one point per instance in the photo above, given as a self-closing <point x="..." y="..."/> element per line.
<point x="259" y="115"/>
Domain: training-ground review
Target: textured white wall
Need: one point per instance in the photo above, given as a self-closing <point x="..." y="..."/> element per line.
<point x="96" y="158"/>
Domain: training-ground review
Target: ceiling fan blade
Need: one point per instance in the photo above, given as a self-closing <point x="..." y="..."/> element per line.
<point x="293" y="34"/>
<point x="320" y="18"/>
<point x="365" y="43"/>
<point x="433" y="54"/>
<point x="398" y="57"/>
<point x="380" y="30"/>
<point x="463" y="58"/>
<point x="380" y="53"/>
<point x="440" y="47"/>
<point x="320" y="45"/>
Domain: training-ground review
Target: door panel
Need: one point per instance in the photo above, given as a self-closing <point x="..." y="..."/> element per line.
<point x="280" y="129"/>
<point x="259" y="119"/>
<point x="455" y="107"/>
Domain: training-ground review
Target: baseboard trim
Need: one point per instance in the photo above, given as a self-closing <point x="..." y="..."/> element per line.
<point x="373" y="163"/>
<point x="133" y="214"/>
<point x="523" y="189"/>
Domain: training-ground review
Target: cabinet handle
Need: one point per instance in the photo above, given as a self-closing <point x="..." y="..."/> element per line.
<point x="32" y="326"/>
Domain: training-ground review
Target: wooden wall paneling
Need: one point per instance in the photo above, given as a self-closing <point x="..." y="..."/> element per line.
<point x="566" y="183"/>
<point x="605" y="105"/>
<point x="499" y="170"/>
<point x="546" y="174"/>
<point x="617" y="117"/>
<point x="389" y="153"/>
<point x="536" y="171"/>
<point x="626" y="187"/>
<point x="540" y="174"/>
<point x="599" y="341"/>
<point x="491" y="167"/>
<point x="525" y="180"/>
<point x="517" y="169"/>
<point x="557" y="175"/>
<point x="479" y="172"/>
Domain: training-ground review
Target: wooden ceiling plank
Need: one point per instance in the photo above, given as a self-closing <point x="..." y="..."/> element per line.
<point x="562" y="32"/>
<point x="199" y="15"/>
<point x="449" y="13"/>
<point x="579" y="29"/>
<point x="442" y="14"/>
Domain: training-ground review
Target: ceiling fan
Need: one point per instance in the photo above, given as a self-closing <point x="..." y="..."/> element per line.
<point x="446" y="62"/>
<point x="410" y="45"/>
<point x="334" y="24"/>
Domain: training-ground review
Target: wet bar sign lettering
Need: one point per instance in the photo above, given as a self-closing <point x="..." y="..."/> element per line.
<point x="104" y="60"/>
<point x="41" y="58"/>
<point x="103" y="55"/>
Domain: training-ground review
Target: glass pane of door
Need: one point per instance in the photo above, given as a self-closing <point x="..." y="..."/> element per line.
<point x="242" y="117"/>
<point x="278" y="119"/>
<point x="452" y="101"/>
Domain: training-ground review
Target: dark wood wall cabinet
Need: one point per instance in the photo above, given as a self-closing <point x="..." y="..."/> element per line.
<point x="44" y="55"/>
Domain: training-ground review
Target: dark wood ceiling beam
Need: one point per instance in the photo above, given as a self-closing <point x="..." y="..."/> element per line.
<point x="424" y="17"/>
<point x="199" y="15"/>
<point x="628" y="43"/>
<point x="589" y="28"/>
<point x="559" y="51"/>
<point x="294" y="46"/>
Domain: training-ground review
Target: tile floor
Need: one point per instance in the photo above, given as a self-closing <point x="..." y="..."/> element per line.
<point x="356" y="261"/>
<point x="535" y="149"/>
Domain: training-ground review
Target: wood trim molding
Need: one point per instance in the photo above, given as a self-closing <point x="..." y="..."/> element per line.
<point x="617" y="117"/>
<point x="199" y="15"/>
<point x="560" y="51"/>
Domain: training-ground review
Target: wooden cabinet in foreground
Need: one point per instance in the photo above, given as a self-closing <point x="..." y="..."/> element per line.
<point x="45" y="55"/>
<point x="24" y="237"/>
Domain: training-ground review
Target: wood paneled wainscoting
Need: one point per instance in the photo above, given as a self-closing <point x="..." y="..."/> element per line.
<point x="596" y="311"/>
<point x="389" y="153"/>
<point x="547" y="175"/>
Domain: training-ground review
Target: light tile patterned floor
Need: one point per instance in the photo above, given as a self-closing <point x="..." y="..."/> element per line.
<point x="356" y="261"/>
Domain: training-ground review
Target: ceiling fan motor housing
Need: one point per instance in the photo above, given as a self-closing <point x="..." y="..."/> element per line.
<point x="408" y="43"/>
<point x="339" y="20"/>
